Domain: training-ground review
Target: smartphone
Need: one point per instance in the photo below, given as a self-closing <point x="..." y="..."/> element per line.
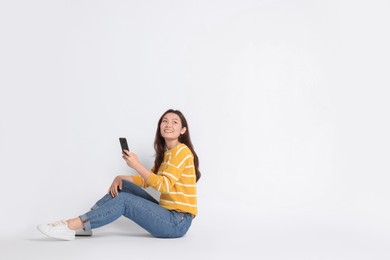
<point x="123" y="143"/>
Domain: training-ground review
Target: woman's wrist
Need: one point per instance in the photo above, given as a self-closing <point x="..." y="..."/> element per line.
<point x="143" y="171"/>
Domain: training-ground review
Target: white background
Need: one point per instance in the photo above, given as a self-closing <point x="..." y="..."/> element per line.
<point x="287" y="103"/>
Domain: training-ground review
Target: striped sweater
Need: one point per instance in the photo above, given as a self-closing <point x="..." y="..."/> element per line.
<point x="175" y="179"/>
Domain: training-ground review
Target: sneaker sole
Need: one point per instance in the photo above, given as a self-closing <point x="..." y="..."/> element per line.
<point x="83" y="235"/>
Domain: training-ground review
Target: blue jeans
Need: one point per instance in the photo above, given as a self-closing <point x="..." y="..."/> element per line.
<point x="136" y="204"/>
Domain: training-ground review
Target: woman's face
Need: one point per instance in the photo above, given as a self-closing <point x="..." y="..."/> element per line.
<point x="170" y="127"/>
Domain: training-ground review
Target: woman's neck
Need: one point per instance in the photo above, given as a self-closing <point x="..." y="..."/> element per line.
<point x="171" y="143"/>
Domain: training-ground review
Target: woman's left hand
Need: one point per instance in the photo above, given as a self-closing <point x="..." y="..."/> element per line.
<point x="133" y="162"/>
<point x="131" y="159"/>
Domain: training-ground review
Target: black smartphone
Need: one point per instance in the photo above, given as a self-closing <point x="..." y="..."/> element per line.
<point x="123" y="143"/>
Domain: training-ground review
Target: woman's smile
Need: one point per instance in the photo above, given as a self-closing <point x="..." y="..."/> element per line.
<point x="168" y="131"/>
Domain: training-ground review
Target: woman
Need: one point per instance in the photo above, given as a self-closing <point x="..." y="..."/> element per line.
<point x="174" y="174"/>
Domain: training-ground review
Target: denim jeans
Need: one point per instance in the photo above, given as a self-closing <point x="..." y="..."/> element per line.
<point x="136" y="204"/>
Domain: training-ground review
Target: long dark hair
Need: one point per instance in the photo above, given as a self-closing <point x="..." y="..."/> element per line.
<point x="160" y="145"/>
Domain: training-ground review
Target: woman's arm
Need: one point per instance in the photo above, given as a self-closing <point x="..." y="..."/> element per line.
<point x="164" y="181"/>
<point x="133" y="162"/>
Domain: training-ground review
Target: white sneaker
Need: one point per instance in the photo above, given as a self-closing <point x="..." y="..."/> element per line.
<point x="83" y="233"/>
<point x="58" y="229"/>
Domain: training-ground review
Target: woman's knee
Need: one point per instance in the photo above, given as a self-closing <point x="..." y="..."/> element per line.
<point x="128" y="186"/>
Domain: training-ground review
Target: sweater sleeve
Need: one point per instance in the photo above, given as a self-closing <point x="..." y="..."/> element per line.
<point x="170" y="172"/>
<point x="139" y="181"/>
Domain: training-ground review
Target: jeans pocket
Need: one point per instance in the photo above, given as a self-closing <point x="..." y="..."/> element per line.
<point x="179" y="217"/>
<point x="182" y="222"/>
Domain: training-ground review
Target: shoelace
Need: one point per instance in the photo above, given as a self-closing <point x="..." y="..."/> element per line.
<point x="58" y="223"/>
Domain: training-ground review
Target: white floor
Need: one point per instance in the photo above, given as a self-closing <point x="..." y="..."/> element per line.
<point x="216" y="238"/>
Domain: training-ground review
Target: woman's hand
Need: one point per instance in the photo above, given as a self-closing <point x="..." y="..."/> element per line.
<point x="117" y="183"/>
<point x="131" y="159"/>
<point x="133" y="162"/>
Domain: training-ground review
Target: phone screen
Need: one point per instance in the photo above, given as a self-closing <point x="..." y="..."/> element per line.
<point x="123" y="143"/>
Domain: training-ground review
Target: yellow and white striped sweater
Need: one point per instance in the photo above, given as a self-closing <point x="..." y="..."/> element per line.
<point x="175" y="179"/>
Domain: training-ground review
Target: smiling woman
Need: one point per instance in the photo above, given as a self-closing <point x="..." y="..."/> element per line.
<point x="175" y="132"/>
<point x="174" y="174"/>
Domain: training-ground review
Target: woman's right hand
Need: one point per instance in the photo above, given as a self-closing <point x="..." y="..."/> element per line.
<point x="117" y="183"/>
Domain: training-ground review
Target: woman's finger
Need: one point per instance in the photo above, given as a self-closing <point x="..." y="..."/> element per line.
<point x="112" y="191"/>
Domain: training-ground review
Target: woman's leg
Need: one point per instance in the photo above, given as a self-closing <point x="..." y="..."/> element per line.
<point x="128" y="187"/>
<point x="157" y="220"/>
<point x="132" y="202"/>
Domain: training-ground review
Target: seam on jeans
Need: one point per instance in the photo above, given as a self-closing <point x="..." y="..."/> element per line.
<point x="103" y="215"/>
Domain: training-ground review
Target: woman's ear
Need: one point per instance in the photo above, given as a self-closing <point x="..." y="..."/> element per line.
<point x="183" y="130"/>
